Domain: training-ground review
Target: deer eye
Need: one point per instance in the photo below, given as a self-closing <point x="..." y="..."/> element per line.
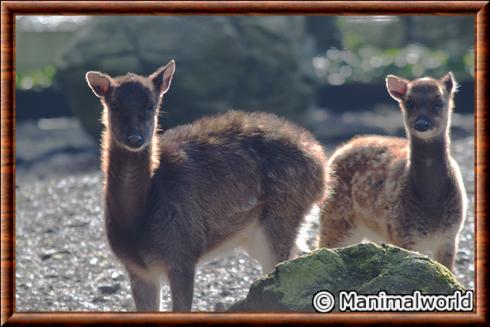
<point x="149" y="108"/>
<point x="437" y="105"/>
<point x="409" y="104"/>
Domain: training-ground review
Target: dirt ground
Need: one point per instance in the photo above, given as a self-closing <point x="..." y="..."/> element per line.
<point x="63" y="261"/>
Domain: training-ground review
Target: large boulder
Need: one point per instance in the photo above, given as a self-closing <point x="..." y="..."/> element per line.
<point x="366" y="268"/>
<point x="249" y="63"/>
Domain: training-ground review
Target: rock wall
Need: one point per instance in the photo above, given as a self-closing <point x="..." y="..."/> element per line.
<point x="223" y="62"/>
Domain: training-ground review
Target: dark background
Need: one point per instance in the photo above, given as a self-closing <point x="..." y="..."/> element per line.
<point x="329" y="62"/>
<point x="325" y="73"/>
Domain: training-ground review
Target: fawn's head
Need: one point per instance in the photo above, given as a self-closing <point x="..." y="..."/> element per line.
<point x="131" y="104"/>
<point x="426" y="103"/>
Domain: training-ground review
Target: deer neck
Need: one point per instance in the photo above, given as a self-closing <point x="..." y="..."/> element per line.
<point x="429" y="168"/>
<point x="127" y="185"/>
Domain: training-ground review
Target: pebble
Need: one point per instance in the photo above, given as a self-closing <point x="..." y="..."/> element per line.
<point x="109" y="289"/>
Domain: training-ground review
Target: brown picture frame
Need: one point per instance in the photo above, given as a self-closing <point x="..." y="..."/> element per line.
<point x="9" y="9"/>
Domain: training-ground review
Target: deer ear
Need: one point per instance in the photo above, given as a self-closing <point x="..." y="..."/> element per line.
<point x="99" y="83"/>
<point x="397" y="87"/>
<point x="162" y="78"/>
<point x="449" y="82"/>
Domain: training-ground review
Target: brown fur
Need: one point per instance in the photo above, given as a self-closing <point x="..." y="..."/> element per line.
<point x="236" y="179"/>
<point x="407" y="192"/>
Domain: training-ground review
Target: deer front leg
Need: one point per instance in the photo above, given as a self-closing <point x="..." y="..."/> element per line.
<point x="181" y="280"/>
<point x="146" y="294"/>
<point x="446" y="253"/>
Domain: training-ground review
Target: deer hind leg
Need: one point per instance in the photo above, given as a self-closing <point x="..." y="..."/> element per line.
<point x="275" y="238"/>
<point x="146" y="293"/>
<point x="442" y="246"/>
<point x="337" y="224"/>
<point x="445" y="253"/>
<point x="258" y="247"/>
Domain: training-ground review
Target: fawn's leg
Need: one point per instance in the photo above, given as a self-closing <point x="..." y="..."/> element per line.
<point x="337" y="224"/>
<point x="146" y="294"/>
<point x="446" y="252"/>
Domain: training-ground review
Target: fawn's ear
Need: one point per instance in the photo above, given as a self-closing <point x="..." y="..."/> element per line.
<point x="99" y="83"/>
<point x="163" y="77"/>
<point x="449" y="82"/>
<point x="397" y="87"/>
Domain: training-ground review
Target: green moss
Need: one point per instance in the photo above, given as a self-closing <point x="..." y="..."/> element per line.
<point x="321" y="267"/>
<point x="367" y="268"/>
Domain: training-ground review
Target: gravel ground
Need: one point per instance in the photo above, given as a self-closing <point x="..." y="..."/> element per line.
<point x="63" y="262"/>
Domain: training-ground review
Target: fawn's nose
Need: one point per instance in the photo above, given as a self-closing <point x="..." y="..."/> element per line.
<point x="135" y="140"/>
<point x="422" y="124"/>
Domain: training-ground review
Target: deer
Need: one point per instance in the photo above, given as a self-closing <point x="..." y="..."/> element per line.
<point x="405" y="191"/>
<point x="178" y="198"/>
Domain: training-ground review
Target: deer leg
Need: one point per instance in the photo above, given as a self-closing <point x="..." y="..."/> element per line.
<point x="279" y="227"/>
<point x="337" y="228"/>
<point x="445" y="253"/>
<point x="182" y="287"/>
<point x="259" y="248"/>
<point x="146" y="294"/>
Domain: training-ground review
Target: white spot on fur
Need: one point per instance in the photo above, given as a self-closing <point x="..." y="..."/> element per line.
<point x="257" y="246"/>
<point x="311" y="221"/>
<point x="232" y="243"/>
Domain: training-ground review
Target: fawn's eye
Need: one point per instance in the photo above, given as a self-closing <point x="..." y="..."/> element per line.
<point x="437" y="105"/>
<point x="409" y="104"/>
<point x="149" y="108"/>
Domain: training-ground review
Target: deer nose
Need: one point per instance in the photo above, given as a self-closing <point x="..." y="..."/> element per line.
<point x="135" y="140"/>
<point x="422" y="124"/>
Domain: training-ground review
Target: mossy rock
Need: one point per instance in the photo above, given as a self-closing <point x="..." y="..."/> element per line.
<point x="366" y="268"/>
<point x="223" y="62"/>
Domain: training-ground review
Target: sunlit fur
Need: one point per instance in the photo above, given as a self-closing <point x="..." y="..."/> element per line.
<point x="199" y="190"/>
<point x="404" y="191"/>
